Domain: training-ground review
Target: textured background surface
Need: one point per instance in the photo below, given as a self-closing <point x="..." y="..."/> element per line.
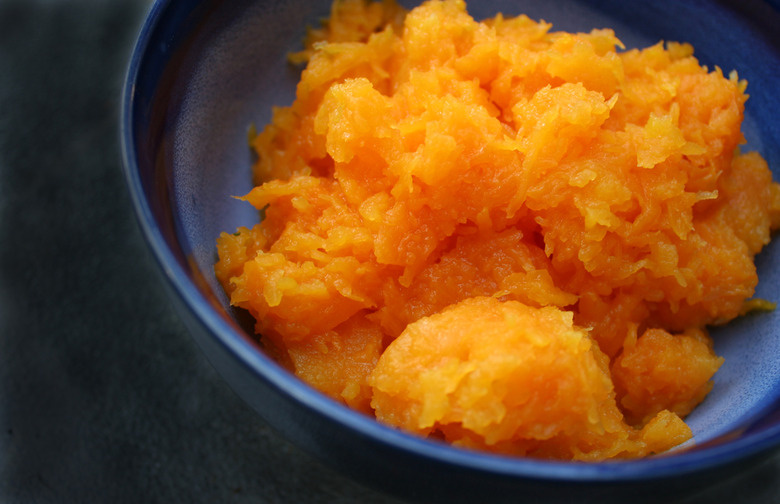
<point x="103" y="395"/>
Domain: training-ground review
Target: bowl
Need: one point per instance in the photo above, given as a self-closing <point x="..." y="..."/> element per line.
<point x="204" y="71"/>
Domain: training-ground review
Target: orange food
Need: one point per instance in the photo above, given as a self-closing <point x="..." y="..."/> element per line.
<point x="506" y="237"/>
<point x="539" y="387"/>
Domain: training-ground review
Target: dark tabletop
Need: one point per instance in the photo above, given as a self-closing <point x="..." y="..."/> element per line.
<point x="104" y="397"/>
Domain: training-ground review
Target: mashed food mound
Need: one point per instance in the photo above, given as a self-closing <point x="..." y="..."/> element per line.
<point x="509" y="238"/>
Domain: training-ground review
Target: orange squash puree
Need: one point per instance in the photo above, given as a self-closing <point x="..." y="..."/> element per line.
<point x="540" y="387"/>
<point x="506" y="237"/>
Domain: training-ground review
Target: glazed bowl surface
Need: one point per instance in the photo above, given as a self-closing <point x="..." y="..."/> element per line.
<point x="204" y="71"/>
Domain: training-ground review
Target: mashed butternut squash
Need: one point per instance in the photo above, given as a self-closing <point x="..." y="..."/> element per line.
<point x="506" y="237"/>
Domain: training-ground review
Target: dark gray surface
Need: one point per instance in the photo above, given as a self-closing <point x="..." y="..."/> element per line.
<point x="103" y="395"/>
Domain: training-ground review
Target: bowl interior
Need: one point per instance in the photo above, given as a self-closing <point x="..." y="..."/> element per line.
<point x="226" y="67"/>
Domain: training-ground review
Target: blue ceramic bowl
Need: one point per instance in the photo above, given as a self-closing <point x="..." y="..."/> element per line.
<point x="203" y="71"/>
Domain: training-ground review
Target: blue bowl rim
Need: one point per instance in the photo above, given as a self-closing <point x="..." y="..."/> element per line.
<point x="230" y="337"/>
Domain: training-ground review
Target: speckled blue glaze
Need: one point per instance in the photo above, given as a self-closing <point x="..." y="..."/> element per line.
<point x="204" y="71"/>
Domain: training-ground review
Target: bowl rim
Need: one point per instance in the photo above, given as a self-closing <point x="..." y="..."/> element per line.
<point x="261" y="366"/>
